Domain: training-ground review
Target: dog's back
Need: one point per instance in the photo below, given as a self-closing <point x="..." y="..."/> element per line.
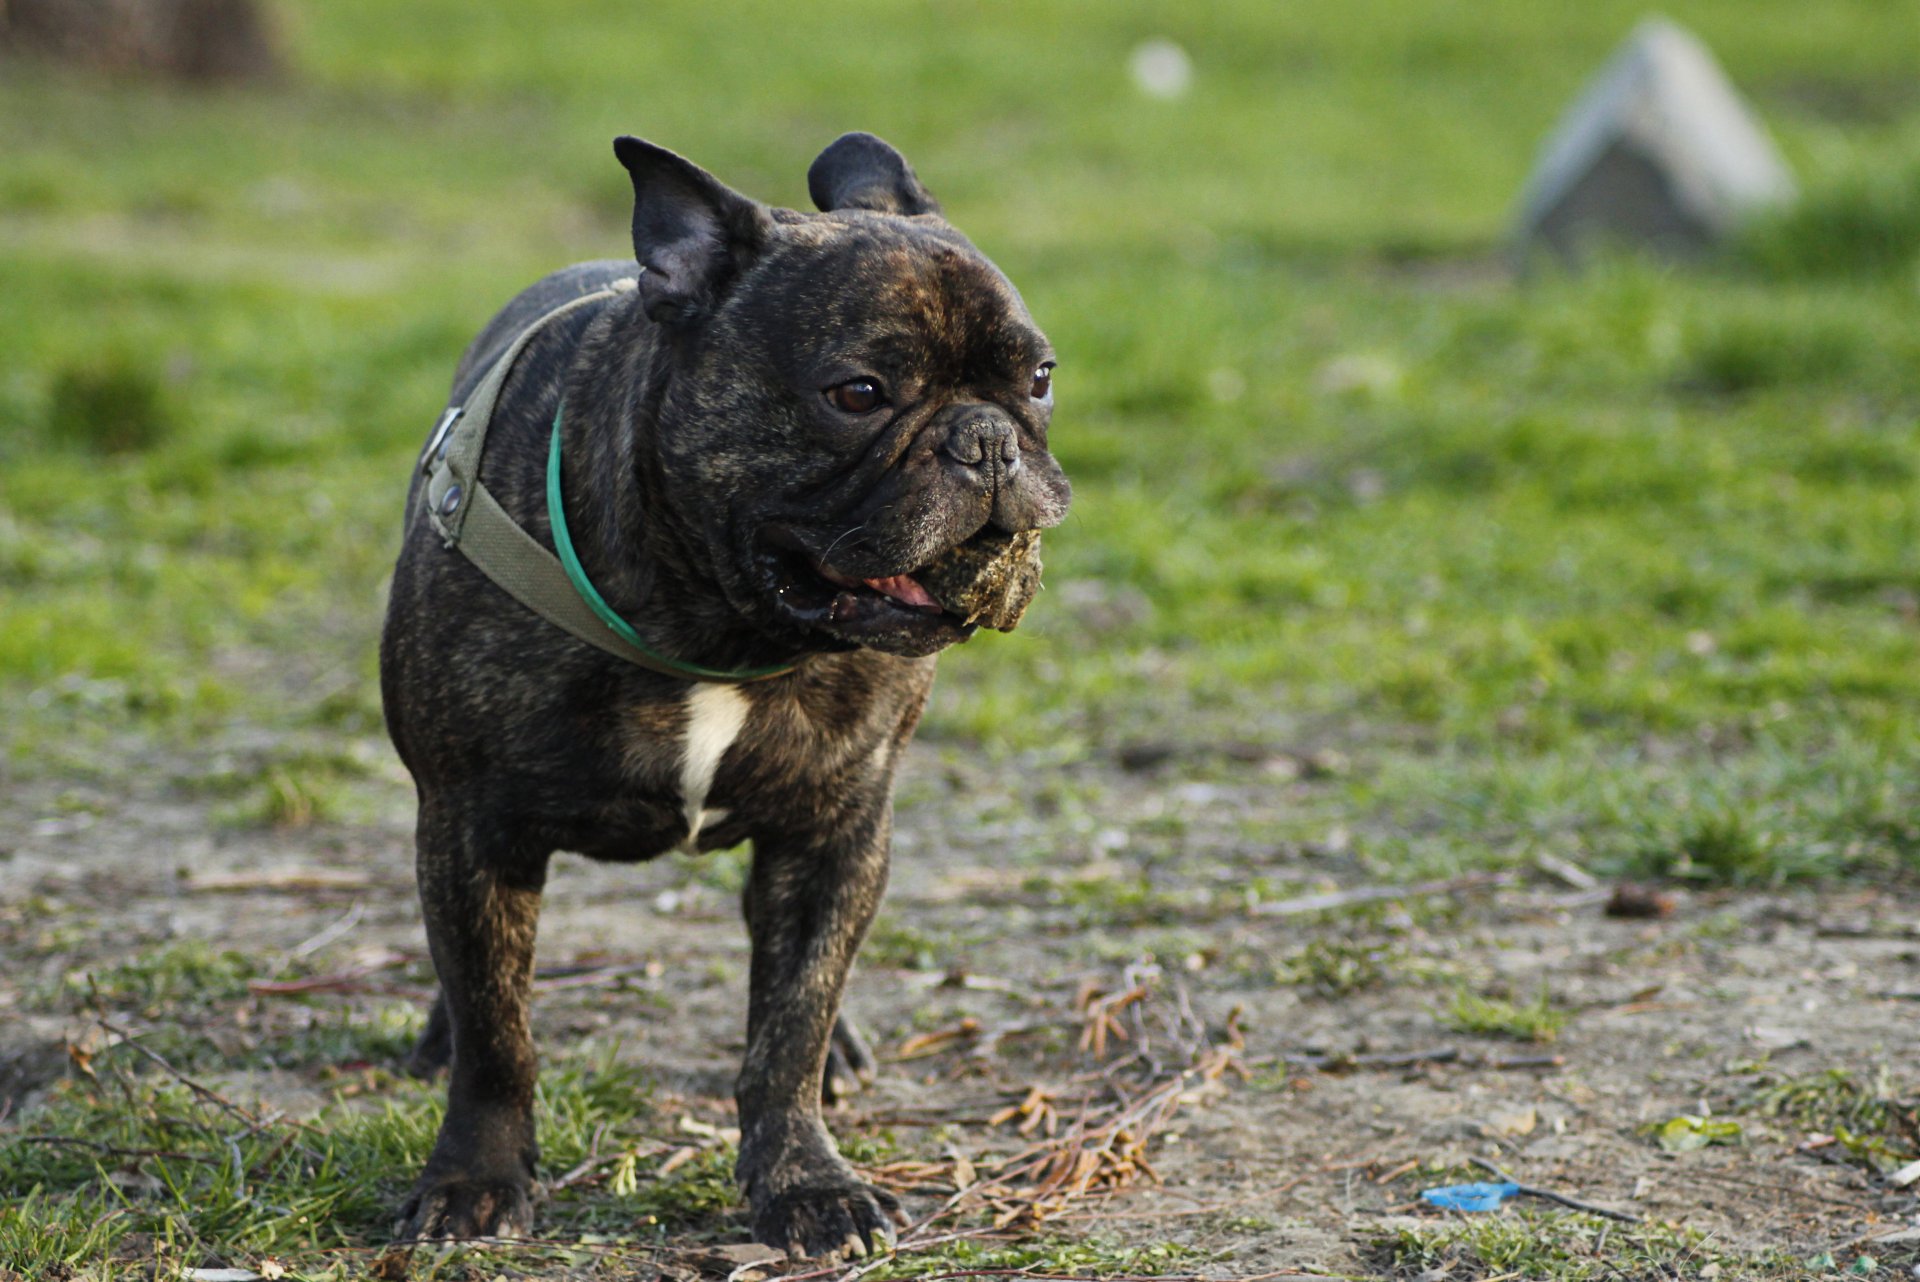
<point x="528" y="306"/>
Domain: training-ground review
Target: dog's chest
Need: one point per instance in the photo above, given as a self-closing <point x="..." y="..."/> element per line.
<point x="708" y="766"/>
<point x="715" y="716"/>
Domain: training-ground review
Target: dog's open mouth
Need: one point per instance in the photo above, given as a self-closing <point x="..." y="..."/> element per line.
<point x="986" y="580"/>
<point x="902" y="589"/>
<point x="895" y="613"/>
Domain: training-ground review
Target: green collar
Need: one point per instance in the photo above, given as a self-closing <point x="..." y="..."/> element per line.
<point x="576" y="575"/>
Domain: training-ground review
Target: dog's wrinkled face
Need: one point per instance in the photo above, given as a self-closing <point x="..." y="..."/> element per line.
<point x="855" y="394"/>
<point x="910" y="392"/>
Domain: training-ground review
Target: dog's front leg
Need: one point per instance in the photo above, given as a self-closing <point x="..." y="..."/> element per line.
<point x="481" y="901"/>
<point x="809" y="901"/>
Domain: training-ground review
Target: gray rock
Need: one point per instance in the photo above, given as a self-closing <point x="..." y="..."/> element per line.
<point x="1659" y="153"/>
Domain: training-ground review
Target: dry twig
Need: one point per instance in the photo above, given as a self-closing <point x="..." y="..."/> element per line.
<point x="1088" y="1136"/>
<point x="1549" y="1195"/>
<point x="1334" y="899"/>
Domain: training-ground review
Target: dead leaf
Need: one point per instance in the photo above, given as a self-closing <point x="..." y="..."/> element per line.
<point x="677" y="1159"/>
<point x="391" y="1265"/>
<point x="964" y="1176"/>
<point x="1686" y="1132"/>
<point x="737" y="1262"/>
<point x="926" y="1043"/>
<point x="692" y="1125"/>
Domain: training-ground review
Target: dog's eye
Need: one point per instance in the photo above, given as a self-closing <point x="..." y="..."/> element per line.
<point x="857" y="396"/>
<point x="1042" y="382"/>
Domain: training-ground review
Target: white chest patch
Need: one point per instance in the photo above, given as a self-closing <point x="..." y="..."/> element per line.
<point x="715" y="715"/>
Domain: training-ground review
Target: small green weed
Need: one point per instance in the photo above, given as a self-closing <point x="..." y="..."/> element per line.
<point x="577" y="1101"/>
<point x="896" y="942"/>
<point x="289" y="789"/>
<point x="1744" y="353"/>
<point x="1536" y="1021"/>
<point x="1686" y="1132"/>
<point x="721" y="871"/>
<point x="1836" y="1097"/>
<point x="1862" y="224"/>
<point x="1874" y="1122"/>
<point x="1567" y="1248"/>
<point x="1083" y="1257"/>
<point x="1337" y="967"/>
<point x="326" y="1039"/>
<point x="42" y="1236"/>
<point x="160" y="982"/>
<point x="109" y="405"/>
<point x="175" y="993"/>
<point x="698" y="1197"/>
<point x="1107" y="901"/>
<point x="286" y="799"/>
<point x="1723" y="844"/>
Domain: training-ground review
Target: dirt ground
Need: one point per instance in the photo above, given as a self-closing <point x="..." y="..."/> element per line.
<point x="1006" y="905"/>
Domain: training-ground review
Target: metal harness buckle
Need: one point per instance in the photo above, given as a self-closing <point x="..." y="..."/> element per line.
<point x="437" y="443"/>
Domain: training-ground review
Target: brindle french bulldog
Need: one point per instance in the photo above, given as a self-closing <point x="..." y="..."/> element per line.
<point x="764" y="440"/>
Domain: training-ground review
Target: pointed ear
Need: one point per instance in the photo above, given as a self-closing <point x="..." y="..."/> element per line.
<point x="859" y="171"/>
<point x="691" y="232"/>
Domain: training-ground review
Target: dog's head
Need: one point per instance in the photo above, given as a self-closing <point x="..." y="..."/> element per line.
<point x="845" y="398"/>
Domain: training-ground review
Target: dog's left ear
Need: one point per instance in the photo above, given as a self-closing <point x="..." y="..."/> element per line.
<point x="691" y="232"/>
<point x="859" y="171"/>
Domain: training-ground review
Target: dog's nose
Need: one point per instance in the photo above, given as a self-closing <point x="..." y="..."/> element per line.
<point x="983" y="442"/>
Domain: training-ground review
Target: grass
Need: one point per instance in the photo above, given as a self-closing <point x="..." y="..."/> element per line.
<point x="1335" y="968"/>
<point x="110" y="406"/>
<point x="1613" y="565"/>
<point x="123" y="1168"/>
<point x="186" y="993"/>
<point x="289" y="787"/>
<point x="128" y="1168"/>
<point x="1082" y="1257"/>
<point x="1535" y="1021"/>
<point x="1617" y="566"/>
<point x="160" y="983"/>
<point x="1574" y="1248"/>
<point x="892" y="942"/>
<point x="1871" y="1121"/>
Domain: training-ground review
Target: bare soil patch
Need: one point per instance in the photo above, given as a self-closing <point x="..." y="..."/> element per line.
<point x="1360" y="1072"/>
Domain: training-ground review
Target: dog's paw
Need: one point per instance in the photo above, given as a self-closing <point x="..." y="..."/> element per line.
<point x="850" y="1063"/>
<point x="464" y="1208"/>
<point x="833" y="1223"/>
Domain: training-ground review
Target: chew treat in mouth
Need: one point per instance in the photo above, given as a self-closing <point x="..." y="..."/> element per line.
<point x="988" y="579"/>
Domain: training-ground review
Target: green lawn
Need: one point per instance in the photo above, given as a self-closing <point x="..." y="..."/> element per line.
<point x="1621" y="565"/>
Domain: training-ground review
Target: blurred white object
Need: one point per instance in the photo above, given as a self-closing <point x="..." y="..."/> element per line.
<point x="1226" y="384"/>
<point x="1161" y="69"/>
<point x="1658" y="152"/>
<point x="1369" y="373"/>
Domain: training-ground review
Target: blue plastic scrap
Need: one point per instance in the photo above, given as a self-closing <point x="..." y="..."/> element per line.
<point x="1470" y="1197"/>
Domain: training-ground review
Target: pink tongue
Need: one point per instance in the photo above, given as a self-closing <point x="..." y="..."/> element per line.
<point x="903" y="588"/>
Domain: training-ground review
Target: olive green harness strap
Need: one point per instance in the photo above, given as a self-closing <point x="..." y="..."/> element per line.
<point x="470" y="519"/>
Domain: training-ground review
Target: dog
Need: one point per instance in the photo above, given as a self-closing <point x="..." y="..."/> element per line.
<point x="755" y="438"/>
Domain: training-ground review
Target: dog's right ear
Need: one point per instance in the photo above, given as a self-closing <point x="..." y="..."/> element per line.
<point x="691" y="232"/>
